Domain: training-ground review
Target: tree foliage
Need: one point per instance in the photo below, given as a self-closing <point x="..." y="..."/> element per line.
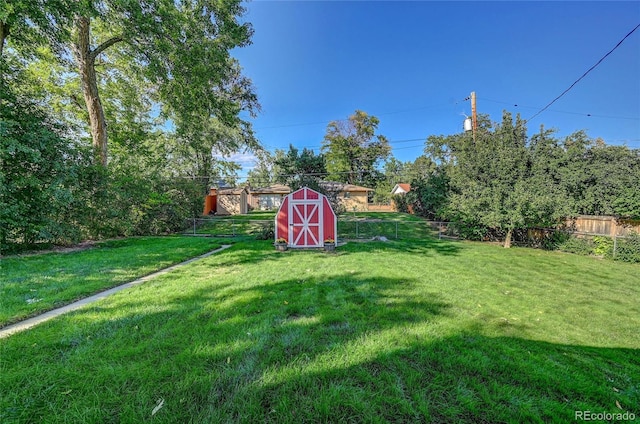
<point x="154" y="78"/>
<point x="490" y="177"/>
<point x="300" y="169"/>
<point x="265" y="171"/>
<point x="117" y="54"/>
<point x="353" y="150"/>
<point x="38" y="167"/>
<point x="429" y="195"/>
<point x="506" y="181"/>
<point x="181" y="49"/>
<point x="26" y="25"/>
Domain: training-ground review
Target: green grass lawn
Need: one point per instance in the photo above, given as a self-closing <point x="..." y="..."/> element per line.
<point x="404" y="331"/>
<point x="34" y="284"/>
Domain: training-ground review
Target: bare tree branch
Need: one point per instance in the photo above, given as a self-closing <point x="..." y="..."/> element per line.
<point x="102" y="47"/>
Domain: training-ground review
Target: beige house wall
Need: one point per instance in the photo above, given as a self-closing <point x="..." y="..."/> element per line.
<point x="354" y="201"/>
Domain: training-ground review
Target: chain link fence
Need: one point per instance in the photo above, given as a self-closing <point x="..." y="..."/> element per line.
<point x="228" y="227"/>
<point x="394" y="229"/>
<point x="619" y="247"/>
<point x="353" y="229"/>
<point x="624" y="247"/>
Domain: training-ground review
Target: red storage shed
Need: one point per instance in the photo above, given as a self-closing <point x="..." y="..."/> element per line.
<point x="306" y="219"/>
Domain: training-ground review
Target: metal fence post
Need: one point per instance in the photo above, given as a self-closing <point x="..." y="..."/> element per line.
<point x="396" y="230"/>
<point x="356" y="229"/>
<point x="194" y="226"/>
<point x="615" y="245"/>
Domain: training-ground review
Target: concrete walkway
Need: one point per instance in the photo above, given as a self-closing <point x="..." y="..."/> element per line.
<point x="31" y="322"/>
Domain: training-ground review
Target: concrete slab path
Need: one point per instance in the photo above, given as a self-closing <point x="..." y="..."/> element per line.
<point x="31" y="322"/>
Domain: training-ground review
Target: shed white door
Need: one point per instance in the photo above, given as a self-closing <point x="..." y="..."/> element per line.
<point x="305" y="223"/>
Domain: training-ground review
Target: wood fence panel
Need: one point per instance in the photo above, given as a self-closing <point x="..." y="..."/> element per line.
<point x="372" y="207"/>
<point x="604" y="225"/>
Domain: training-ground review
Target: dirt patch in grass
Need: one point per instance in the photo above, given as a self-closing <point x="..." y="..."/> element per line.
<point x="85" y="245"/>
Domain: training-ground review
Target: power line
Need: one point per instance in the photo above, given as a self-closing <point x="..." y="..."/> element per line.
<point x="585" y="74"/>
<point x="408" y="147"/>
<point x="562" y="111"/>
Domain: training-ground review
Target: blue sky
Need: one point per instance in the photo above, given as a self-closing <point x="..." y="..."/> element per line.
<point x="412" y="64"/>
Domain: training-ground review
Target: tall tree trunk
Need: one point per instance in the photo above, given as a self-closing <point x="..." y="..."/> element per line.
<point x="4" y="33"/>
<point x="86" y="59"/>
<point x="507" y="240"/>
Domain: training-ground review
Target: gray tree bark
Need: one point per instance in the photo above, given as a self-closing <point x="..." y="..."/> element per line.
<point x="86" y="59"/>
<point x="507" y="240"/>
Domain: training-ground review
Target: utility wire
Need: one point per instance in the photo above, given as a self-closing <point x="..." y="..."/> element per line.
<point x="585" y="74"/>
<point x="560" y="111"/>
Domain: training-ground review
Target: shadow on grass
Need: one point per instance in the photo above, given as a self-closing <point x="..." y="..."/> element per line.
<point x="323" y="348"/>
<point x="466" y="378"/>
<point x="223" y="336"/>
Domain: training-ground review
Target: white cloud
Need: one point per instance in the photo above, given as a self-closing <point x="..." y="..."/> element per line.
<point x="247" y="160"/>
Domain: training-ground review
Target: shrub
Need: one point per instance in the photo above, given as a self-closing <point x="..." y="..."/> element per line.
<point x="577" y="245"/>
<point x="265" y="232"/>
<point x="37" y="170"/>
<point x="470" y="231"/>
<point x="628" y="249"/>
<point x="603" y="246"/>
<point x="555" y="239"/>
<point x="401" y="202"/>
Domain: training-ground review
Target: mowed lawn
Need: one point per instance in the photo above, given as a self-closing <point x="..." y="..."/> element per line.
<point x="403" y="331"/>
<point x="33" y="284"/>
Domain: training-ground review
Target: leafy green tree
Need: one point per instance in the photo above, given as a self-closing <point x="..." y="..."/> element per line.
<point x="182" y="48"/>
<point x="26" y="25"/>
<point x="422" y="167"/>
<point x="300" y="169"/>
<point x="146" y="66"/>
<point x="429" y="185"/>
<point x="627" y="203"/>
<point x="266" y="172"/>
<point x="38" y="169"/>
<point x="503" y="181"/>
<point x="600" y="179"/>
<point x="548" y="198"/>
<point x="429" y="195"/>
<point x="489" y="179"/>
<point x="166" y="53"/>
<point x="393" y="174"/>
<point x="396" y="172"/>
<point x="353" y="150"/>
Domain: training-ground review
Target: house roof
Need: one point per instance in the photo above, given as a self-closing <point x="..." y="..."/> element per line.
<point x="401" y="188"/>
<point x="233" y="190"/>
<point x="273" y="189"/>
<point x="342" y="187"/>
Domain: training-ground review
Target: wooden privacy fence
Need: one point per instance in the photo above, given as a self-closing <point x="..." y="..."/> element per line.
<point x="380" y="207"/>
<point x="603" y="225"/>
